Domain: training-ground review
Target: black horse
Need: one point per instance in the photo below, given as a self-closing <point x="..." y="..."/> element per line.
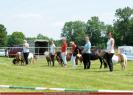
<point x="94" y="55"/>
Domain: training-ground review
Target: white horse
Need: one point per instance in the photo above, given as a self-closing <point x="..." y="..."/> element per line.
<point x="120" y="58"/>
<point x="117" y="58"/>
<point x="31" y="57"/>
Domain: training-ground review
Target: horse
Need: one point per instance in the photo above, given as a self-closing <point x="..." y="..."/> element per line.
<point x="19" y="58"/>
<point x="48" y="58"/>
<point x="78" y="53"/>
<point x="117" y="58"/>
<point x="32" y="58"/>
<point x="59" y="57"/>
<point x="94" y="55"/>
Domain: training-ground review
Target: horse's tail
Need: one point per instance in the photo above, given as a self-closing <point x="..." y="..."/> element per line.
<point x="125" y="59"/>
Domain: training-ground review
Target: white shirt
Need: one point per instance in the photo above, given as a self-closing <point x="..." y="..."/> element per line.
<point x="87" y="48"/>
<point x="110" y="49"/>
<point x="52" y="49"/>
<point x="26" y="48"/>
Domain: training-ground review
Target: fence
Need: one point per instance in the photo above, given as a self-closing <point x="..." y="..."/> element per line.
<point x="39" y="51"/>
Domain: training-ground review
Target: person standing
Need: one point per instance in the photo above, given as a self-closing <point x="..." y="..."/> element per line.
<point x="73" y="57"/>
<point x="64" y="51"/>
<point x="52" y="51"/>
<point x="110" y="50"/>
<point x="26" y="51"/>
<point x="87" y="53"/>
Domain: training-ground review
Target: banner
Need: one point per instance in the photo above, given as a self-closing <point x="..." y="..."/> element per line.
<point x="127" y="50"/>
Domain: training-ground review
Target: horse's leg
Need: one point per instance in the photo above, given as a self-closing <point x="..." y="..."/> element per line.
<point x="21" y="62"/>
<point x="76" y="60"/>
<point x="33" y="60"/>
<point x="50" y="62"/>
<point x="105" y="64"/>
<point x="122" y="65"/>
<point x="101" y="61"/>
<point x="61" y="62"/>
<point x="47" y="61"/>
<point x="125" y="62"/>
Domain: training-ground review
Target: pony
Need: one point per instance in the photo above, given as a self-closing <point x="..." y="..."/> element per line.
<point x="94" y="55"/>
<point x="59" y="57"/>
<point x="48" y="58"/>
<point x="19" y="58"/>
<point x="117" y="58"/>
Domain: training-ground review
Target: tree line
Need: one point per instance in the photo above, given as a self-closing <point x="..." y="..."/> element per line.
<point x="122" y="29"/>
<point x="16" y="38"/>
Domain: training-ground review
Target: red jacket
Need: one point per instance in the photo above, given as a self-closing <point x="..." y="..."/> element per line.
<point x="64" y="47"/>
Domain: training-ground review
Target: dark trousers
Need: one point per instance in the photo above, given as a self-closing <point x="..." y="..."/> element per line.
<point x="52" y="58"/>
<point x="86" y="60"/>
<point x="26" y="57"/>
<point x="109" y="60"/>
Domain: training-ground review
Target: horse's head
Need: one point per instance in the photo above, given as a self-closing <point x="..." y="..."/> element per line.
<point x="78" y="50"/>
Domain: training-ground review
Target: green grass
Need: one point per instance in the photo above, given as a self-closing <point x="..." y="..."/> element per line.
<point x="40" y="75"/>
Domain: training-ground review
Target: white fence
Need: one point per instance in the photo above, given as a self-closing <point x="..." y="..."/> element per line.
<point x="11" y="51"/>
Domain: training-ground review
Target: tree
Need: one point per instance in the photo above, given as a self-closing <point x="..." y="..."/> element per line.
<point x="16" y="38"/>
<point x="95" y="29"/>
<point x="74" y="31"/>
<point x="3" y="36"/>
<point x="130" y="33"/>
<point x="122" y="23"/>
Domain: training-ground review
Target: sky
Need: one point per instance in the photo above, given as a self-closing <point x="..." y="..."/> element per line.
<point x="48" y="16"/>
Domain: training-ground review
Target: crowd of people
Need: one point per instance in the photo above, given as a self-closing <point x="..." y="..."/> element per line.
<point x="86" y="52"/>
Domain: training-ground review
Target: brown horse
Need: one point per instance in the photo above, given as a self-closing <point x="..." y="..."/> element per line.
<point x="59" y="58"/>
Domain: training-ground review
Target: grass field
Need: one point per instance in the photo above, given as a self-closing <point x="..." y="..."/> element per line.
<point x="40" y="75"/>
